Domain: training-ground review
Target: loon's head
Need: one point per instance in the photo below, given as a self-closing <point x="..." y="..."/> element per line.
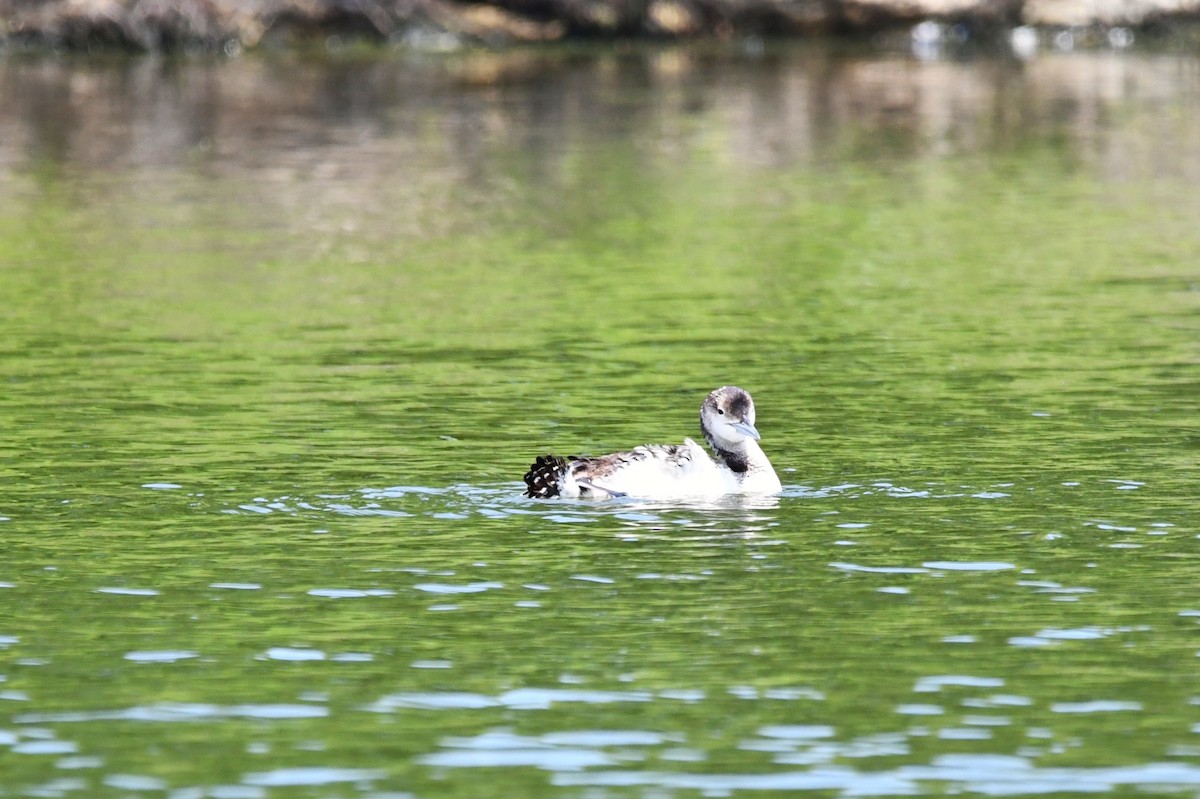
<point x="727" y="418"/>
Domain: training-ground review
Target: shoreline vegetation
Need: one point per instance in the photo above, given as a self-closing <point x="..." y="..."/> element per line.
<point x="233" y="25"/>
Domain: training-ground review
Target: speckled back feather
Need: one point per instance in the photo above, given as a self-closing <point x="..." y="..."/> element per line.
<point x="545" y="475"/>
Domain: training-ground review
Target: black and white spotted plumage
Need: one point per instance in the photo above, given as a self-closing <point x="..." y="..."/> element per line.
<point x="543" y="476"/>
<point x="669" y="470"/>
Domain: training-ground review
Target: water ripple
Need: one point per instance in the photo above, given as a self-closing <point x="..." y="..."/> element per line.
<point x="968" y="566"/>
<point x="854" y="567"/>
<point x="987" y="774"/>
<point x="311" y="775"/>
<point x="45" y="748"/>
<point x="447" y="588"/>
<point x="161" y="656"/>
<point x="1096" y="706"/>
<point x="933" y="684"/>
<point x="293" y="653"/>
<point x="135" y="782"/>
<point x="521" y="699"/>
<point x="178" y="711"/>
<point x="349" y="593"/>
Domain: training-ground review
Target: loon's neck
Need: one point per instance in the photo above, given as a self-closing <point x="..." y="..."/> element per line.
<point x="748" y="456"/>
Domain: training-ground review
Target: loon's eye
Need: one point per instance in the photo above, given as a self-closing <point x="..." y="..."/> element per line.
<point x="721" y="411"/>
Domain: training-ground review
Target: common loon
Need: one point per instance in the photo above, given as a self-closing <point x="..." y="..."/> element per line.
<point x="668" y="471"/>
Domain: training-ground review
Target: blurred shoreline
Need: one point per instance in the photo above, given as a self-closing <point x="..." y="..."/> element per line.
<point x="233" y="25"/>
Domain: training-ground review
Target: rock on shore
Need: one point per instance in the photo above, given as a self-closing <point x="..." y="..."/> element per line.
<point x="212" y="24"/>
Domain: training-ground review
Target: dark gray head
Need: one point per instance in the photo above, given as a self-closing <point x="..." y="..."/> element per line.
<point x="727" y="418"/>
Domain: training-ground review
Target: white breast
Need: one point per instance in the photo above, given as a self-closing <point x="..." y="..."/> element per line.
<point x="761" y="477"/>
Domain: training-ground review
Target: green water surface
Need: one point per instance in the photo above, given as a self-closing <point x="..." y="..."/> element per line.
<point x="280" y="336"/>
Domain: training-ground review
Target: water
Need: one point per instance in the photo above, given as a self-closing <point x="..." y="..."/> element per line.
<point x="281" y="333"/>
